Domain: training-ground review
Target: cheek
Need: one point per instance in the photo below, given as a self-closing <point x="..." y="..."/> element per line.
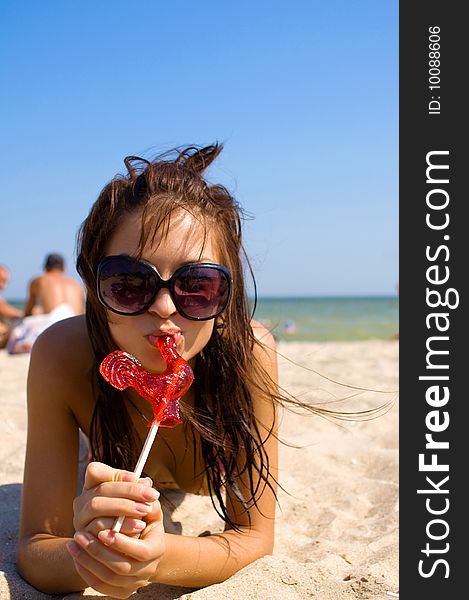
<point x="119" y="328"/>
<point x="197" y="337"/>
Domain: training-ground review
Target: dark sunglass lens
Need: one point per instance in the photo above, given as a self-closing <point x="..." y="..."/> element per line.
<point x="126" y="285"/>
<point x="202" y="292"/>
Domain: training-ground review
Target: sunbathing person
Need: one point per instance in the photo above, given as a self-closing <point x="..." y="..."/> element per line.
<point x="52" y="296"/>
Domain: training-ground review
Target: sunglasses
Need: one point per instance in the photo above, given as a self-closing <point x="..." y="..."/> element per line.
<point x="127" y="286"/>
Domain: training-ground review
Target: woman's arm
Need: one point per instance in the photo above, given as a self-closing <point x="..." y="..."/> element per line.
<point x="59" y="393"/>
<point x="116" y="564"/>
<point x="203" y="561"/>
<point x="50" y="475"/>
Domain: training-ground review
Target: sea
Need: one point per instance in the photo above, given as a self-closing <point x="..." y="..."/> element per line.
<point x="327" y="319"/>
<point x="330" y="319"/>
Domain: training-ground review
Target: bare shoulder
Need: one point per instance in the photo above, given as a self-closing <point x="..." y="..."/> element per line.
<point x="265" y="350"/>
<point x="266" y="355"/>
<point x="263" y="335"/>
<point x="35" y="282"/>
<point x="65" y="347"/>
<point x="75" y="283"/>
<point x="60" y="377"/>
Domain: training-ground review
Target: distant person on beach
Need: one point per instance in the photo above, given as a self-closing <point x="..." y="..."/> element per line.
<point x="52" y="296"/>
<point x="8" y="313"/>
<point x="289" y="327"/>
<point x="53" y="289"/>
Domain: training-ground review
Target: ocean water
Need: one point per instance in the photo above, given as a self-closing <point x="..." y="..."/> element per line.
<point x="322" y="319"/>
<point x="333" y="319"/>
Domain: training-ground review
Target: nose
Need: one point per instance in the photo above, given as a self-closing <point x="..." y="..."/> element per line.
<point x="163" y="304"/>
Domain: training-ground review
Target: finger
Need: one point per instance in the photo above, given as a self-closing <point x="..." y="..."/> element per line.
<point x="87" y="507"/>
<point x="146" y="481"/>
<point x="97" y="473"/>
<point x="149" y="546"/>
<point x="99" y="507"/>
<point x="134" y="491"/>
<point x="114" y="564"/>
<point x="130" y="526"/>
<point x="100" y="577"/>
<point x="155" y="514"/>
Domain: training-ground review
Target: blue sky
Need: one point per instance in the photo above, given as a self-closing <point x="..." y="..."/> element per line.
<point x="304" y="96"/>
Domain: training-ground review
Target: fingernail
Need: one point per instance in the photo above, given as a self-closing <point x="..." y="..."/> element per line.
<point x="142" y="508"/>
<point x="150" y="494"/>
<point x="139" y="525"/>
<point x="147" y="481"/>
<point x="73" y="548"/>
<point x="83" y="539"/>
<point x="106" y="536"/>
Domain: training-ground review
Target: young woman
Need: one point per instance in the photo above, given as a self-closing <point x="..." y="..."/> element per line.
<point x="160" y="254"/>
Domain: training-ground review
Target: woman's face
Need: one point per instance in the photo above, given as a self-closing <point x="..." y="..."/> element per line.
<point x="137" y="334"/>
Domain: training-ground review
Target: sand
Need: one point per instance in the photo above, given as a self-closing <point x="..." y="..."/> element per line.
<point x="337" y="531"/>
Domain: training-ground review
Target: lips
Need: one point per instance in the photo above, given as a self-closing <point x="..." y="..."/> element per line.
<point x="176" y="334"/>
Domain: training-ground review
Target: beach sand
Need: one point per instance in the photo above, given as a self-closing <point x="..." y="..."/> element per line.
<point x="337" y="526"/>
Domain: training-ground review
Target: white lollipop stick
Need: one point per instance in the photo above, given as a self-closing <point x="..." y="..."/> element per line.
<point x="142" y="459"/>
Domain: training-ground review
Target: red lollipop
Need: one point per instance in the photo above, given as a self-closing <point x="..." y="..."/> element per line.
<point x="122" y="370"/>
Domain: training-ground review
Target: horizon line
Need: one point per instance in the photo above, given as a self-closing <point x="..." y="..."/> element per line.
<point x="295" y="297"/>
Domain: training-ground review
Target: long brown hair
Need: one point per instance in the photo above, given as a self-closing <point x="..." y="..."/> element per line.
<point x="226" y="371"/>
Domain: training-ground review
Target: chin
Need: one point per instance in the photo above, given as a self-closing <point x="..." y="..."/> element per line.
<point x="151" y="360"/>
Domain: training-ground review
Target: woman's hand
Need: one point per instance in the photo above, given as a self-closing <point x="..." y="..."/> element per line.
<point x="109" y="493"/>
<point x="116" y="564"/>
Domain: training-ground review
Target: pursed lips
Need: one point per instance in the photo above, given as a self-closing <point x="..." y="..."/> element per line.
<point x="176" y="334"/>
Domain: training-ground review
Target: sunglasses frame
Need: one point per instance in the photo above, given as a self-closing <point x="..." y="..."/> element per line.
<point x="161" y="284"/>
